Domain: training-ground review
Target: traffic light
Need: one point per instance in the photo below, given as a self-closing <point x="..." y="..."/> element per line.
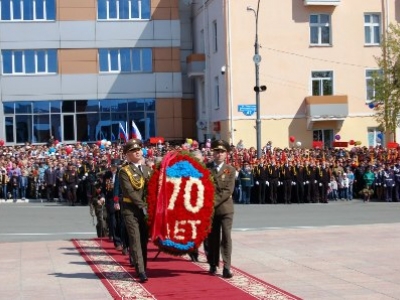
<point x="261" y="88"/>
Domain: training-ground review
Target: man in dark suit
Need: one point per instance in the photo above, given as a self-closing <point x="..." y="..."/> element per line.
<point x="224" y="180"/>
<point x="132" y="179"/>
<point x="50" y="179"/>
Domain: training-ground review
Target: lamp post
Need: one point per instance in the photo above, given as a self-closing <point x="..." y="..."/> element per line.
<point x="257" y="88"/>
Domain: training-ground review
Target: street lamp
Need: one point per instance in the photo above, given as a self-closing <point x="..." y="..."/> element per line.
<point x="257" y="88"/>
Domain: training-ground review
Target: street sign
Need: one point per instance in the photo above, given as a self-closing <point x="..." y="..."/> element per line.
<point x="247" y="109"/>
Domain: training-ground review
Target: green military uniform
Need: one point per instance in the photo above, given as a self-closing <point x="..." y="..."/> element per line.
<point x="224" y="181"/>
<point x="132" y="182"/>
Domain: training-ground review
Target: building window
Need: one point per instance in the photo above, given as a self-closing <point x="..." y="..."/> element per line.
<point x="123" y="9"/>
<point x="216" y="92"/>
<point x="20" y="62"/>
<point x="372" y="29"/>
<point x="28" y="10"/>
<point x="375" y="137"/>
<point x="125" y="60"/>
<point x="322" y="83"/>
<point x="320" y="29"/>
<point x="325" y="136"/>
<point x="82" y="120"/>
<point x="215" y="36"/>
<point x="370" y="85"/>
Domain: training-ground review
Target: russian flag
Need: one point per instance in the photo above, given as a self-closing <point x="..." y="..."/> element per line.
<point x="122" y="133"/>
<point x="135" y="134"/>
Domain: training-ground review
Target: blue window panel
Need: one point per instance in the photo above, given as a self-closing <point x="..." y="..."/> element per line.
<point x="23" y="107"/>
<point x="51" y="9"/>
<point x="5" y="10"/>
<point x="18" y="62"/>
<point x="102" y="9"/>
<point x="146" y="9"/>
<point x="28" y="9"/>
<point x="29" y="61"/>
<point x="136" y="65"/>
<point x="114" y="60"/>
<point x="125" y="60"/>
<point x="39" y="10"/>
<point x="103" y="58"/>
<point x="8" y="107"/>
<point x="112" y="9"/>
<point x="124" y="9"/>
<point x="135" y="9"/>
<point x="52" y="61"/>
<point x="16" y="8"/>
<point x="7" y="62"/>
<point x="41" y="61"/>
<point x="147" y="60"/>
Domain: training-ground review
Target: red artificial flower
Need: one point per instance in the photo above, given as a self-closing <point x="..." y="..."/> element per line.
<point x="164" y="221"/>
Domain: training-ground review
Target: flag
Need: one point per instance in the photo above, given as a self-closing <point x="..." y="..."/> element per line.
<point x="122" y="133"/>
<point x="135" y="134"/>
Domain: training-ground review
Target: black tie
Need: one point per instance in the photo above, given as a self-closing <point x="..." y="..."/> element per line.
<point x="140" y="169"/>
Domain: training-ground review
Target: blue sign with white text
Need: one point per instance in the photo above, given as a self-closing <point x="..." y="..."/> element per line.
<point x="247" y="109"/>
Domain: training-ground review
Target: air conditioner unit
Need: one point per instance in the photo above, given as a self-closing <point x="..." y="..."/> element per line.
<point x="201" y="124"/>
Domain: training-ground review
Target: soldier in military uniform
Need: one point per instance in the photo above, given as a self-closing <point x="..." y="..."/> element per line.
<point x="224" y="180"/>
<point x="246" y="182"/>
<point x="133" y="178"/>
<point x="87" y="176"/>
<point x="273" y="177"/>
<point x="109" y="178"/>
<point x="71" y="181"/>
<point x="260" y="177"/>
<point x="98" y="208"/>
<point x="286" y="179"/>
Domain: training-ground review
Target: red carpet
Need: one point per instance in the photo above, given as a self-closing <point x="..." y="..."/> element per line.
<point x="170" y="277"/>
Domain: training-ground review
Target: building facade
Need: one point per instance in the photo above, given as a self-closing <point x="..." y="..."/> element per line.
<point x="316" y="59"/>
<point x="81" y="70"/>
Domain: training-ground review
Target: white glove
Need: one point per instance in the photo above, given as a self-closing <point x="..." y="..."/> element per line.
<point x="384" y="185"/>
<point x="257" y="183"/>
<point x="65" y="187"/>
<point x="307" y="182"/>
<point x="86" y="174"/>
<point x="83" y="177"/>
<point x="279" y="183"/>
<point x="315" y="181"/>
<point x="304" y="183"/>
<point x="320" y="184"/>
<point x="76" y="186"/>
<point x="267" y="183"/>
<point x="144" y="211"/>
<point x="294" y="183"/>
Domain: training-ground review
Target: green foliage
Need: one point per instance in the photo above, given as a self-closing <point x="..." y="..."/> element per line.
<point x="387" y="82"/>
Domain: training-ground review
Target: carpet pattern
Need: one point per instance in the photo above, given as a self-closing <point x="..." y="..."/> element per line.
<point x="116" y="275"/>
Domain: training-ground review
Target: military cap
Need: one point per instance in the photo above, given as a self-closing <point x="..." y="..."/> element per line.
<point x="220" y="145"/>
<point x="116" y="162"/>
<point x="132" y="145"/>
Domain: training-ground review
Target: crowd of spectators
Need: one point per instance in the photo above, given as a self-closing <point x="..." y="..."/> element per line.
<point x="281" y="175"/>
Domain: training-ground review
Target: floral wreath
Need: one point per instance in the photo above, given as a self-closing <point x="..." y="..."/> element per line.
<point x="180" y="198"/>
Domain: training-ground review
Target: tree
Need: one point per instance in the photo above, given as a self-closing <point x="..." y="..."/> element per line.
<point x="386" y="99"/>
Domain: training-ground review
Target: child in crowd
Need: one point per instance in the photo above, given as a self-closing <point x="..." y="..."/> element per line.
<point x="351" y="177"/>
<point x="333" y="187"/>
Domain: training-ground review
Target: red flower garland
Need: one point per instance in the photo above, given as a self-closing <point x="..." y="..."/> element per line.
<point x="175" y="217"/>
